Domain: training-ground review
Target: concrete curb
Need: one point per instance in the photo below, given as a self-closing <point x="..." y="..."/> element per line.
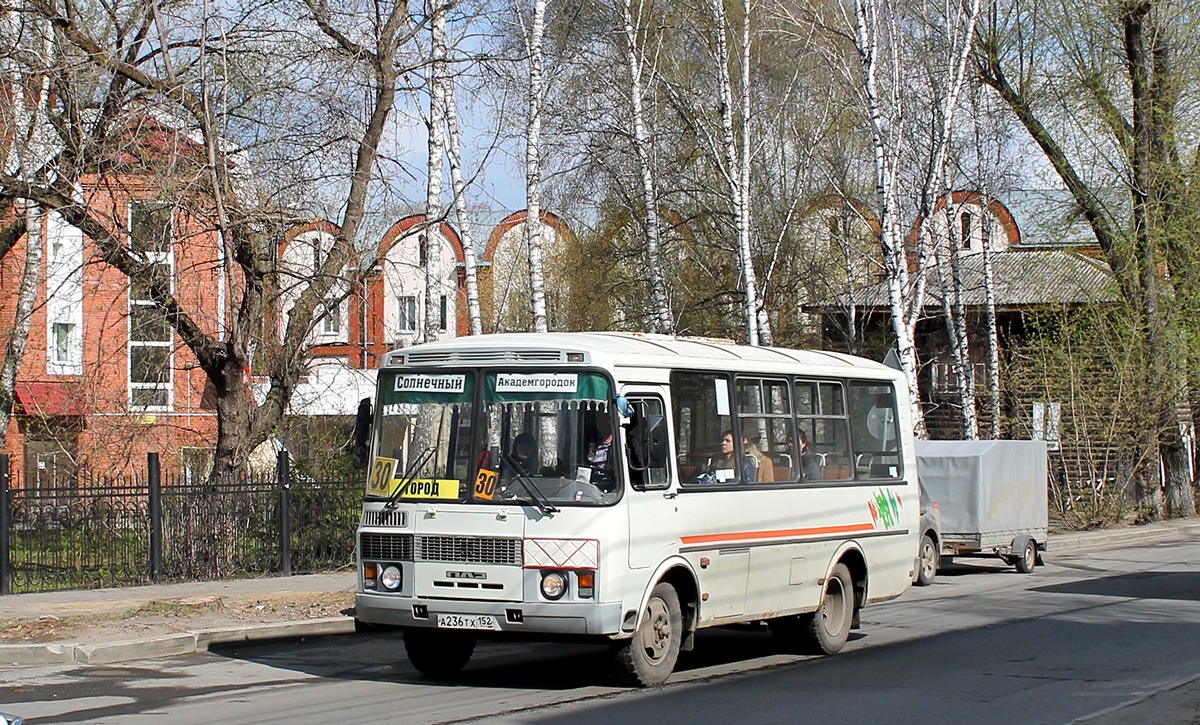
<point x="1075" y="542"/>
<point x="57" y="653"/>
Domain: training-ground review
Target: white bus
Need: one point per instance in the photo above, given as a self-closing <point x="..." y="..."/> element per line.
<point x="632" y="489"/>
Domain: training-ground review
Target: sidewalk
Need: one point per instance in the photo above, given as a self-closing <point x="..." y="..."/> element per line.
<point x="142" y="622"/>
<point x="171" y="619"/>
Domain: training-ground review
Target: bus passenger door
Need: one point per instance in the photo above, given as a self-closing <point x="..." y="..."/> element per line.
<point x="650" y="500"/>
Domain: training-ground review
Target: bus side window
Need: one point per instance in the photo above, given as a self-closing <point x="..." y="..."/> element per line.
<point x="873" y="430"/>
<point x="821" y="417"/>
<point x="701" y="410"/>
<point x="768" y="440"/>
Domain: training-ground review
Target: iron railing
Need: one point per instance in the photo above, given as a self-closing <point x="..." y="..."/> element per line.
<point x="143" y="529"/>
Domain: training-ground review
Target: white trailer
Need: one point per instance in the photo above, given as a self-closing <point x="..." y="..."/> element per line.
<point x="991" y="495"/>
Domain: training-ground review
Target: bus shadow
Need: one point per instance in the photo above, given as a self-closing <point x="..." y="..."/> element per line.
<point x="974" y="566"/>
<point x="380" y="656"/>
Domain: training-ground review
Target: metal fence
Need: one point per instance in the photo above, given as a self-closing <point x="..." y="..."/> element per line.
<point x="144" y="529"/>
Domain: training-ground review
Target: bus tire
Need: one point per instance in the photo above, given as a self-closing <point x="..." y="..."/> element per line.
<point x="438" y="653"/>
<point x="929" y="561"/>
<point x="829" y="627"/>
<point x="649" y="657"/>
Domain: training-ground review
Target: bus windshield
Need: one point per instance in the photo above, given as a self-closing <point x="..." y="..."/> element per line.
<point x="539" y="438"/>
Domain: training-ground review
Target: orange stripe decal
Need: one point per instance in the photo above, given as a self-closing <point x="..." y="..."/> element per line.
<point x="778" y="534"/>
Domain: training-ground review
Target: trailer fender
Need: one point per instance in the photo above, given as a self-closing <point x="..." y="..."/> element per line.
<point x="1019" y="557"/>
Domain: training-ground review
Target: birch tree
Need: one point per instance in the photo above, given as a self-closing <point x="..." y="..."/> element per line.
<point x="635" y="59"/>
<point x="877" y="42"/>
<point x="437" y="78"/>
<point x="26" y="299"/>
<point x="24" y="132"/>
<point x="462" y="213"/>
<point x="534" y="38"/>
<point x="878" y="34"/>
<point x="737" y="158"/>
<point x="949" y="269"/>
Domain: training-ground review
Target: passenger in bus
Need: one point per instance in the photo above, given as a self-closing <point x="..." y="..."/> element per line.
<point x="808" y="459"/>
<point x="756" y="466"/>
<point x="524" y="454"/>
<point x="721" y="468"/>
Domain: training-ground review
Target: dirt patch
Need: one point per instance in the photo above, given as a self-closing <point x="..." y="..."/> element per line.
<point x="177" y="615"/>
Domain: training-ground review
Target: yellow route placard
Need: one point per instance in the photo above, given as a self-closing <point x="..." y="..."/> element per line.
<point x="429" y="488"/>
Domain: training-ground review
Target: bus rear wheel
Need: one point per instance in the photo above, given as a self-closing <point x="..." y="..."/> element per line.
<point x="826" y="630"/>
<point x="649" y="657"/>
<point x="830" y="625"/>
<point x="438" y="653"/>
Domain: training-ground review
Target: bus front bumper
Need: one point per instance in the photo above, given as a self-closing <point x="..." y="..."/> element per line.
<point x="567" y="618"/>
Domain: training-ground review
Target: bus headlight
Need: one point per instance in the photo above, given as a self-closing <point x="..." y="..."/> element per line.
<point x="554" y="584"/>
<point x="390" y="578"/>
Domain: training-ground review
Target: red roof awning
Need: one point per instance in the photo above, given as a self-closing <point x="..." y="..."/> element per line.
<point x="52" y="399"/>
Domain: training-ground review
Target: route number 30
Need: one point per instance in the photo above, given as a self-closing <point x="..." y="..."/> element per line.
<point x="485" y="484"/>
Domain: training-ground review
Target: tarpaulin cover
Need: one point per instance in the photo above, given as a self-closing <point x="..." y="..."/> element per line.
<point x="985" y="487"/>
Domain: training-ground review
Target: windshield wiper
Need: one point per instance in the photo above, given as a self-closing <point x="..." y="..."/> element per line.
<point x="543" y="504"/>
<point x="406" y="477"/>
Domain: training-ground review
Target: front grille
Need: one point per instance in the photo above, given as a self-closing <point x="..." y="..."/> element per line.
<point x="469" y="550"/>
<point x="386" y="547"/>
<point x="384" y="517"/>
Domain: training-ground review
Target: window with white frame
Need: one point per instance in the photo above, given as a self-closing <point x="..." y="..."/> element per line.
<point x="150" y="335"/>
<point x="406" y="319"/>
<point x="443" y="313"/>
<point x="331" y="323"/>
<point x="64" y="334"/>
<point x="944" y="378"/>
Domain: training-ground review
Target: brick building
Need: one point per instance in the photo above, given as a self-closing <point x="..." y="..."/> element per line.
<point x="105" y="380"/>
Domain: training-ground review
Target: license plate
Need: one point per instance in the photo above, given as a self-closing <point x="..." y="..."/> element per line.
<point x="466" y="621"/>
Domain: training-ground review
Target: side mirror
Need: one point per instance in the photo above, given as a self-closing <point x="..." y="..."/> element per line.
<point x="362" y="433"/>
<point x="648" y="438"/>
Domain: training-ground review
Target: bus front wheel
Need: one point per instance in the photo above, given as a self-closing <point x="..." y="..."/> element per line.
<point x="649" y="657"/>
<point x="438" y="653"/>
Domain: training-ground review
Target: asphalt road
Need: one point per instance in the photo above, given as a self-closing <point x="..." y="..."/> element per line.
<point x="1098" y="638"/>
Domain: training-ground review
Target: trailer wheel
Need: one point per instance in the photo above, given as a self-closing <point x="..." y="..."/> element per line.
<point x="649" y="657"/>
<point x="1028" y="558"/>
<point x="929" y="561"/>
<point x="437" y="653"/>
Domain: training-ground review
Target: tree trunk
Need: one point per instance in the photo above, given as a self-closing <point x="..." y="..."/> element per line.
<point x="465" y="225"/>
<point x="735" y="171"/>
<point x="432" y="238"/>
<point x="955" y="316"/>
<point x="533" y="172"/>
<point x="14" y="348"/>
<point x="990" y="323"/>
<point x="902" y="299"/>
<point x="663" y="320"/>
